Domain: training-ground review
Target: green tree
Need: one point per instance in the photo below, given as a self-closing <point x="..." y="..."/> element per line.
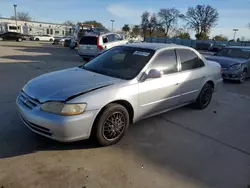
<point x="136" y="30"/>
<point x="94" y="23"/>
<point x="201" y="19"/>
<point x="201" y="36"/>
<point x="220" y="38"/>
<point x="126" y="28"/>
<point x="22" y="16"/>
<point x="183" y="35"/>
<point x="168" y="19"/>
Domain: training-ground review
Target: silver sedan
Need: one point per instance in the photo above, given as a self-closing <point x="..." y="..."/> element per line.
<point x="123" y="85"/>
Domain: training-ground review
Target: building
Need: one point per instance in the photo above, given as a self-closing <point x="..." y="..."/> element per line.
<point x="34" y="27"/>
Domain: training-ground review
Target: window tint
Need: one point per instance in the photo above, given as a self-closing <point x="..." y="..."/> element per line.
<point x="189" y="60"/>
<point x="165" y="61"/>
<point x="89" y="40"/>
<point x="47" y="31"/>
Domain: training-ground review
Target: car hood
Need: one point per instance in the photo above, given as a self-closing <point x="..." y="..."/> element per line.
<point x="225" y="62"/>
<point x="66" y="84"/>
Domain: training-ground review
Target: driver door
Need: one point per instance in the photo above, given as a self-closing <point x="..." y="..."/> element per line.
<point x="158" y="94"/>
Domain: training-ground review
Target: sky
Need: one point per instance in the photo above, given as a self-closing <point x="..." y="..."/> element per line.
<point x="232" y="13"/>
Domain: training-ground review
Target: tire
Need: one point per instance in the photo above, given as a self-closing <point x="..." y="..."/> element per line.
<point x="37" y="39"/>
<point x="51" y="40"/>
<point x="104" y="129"/>
<point x="19" y="39"/>
<point x="1" y="39"/>
<point x="86" y="59"/>
<point x="243" y="77"/>
<point x="204" y="97"/>
<point x="72" y="46"/>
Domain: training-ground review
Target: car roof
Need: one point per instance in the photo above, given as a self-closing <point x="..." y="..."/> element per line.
<point x="155" y="46"/>
<point x="95" y="34"/>
<point x="239" y="47"/>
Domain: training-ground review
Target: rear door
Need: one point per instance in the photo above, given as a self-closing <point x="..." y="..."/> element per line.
<point x="88" y="46"/>
<point x="192" y="74"/>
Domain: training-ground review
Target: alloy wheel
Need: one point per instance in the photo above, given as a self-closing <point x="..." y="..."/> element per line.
<point x="113" y="126"/>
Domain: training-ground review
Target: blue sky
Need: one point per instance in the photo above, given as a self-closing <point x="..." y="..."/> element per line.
<point x="233" y="13"/>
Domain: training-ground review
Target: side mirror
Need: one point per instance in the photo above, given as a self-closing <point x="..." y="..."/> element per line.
<point x="153" y="73"/>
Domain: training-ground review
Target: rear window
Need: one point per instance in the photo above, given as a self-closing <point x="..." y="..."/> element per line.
<point x="89" y="40"/>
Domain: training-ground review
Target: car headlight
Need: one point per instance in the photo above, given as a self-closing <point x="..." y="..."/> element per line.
<point x="63" y="109"/>
<point x="235" y="67"/>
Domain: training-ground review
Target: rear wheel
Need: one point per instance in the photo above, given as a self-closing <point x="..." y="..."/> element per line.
<point x="1" y="39"/>
<point x="204" y="97"/>
<point x="111" y="125"/>
<point x="51" y="40"/>
<point x="19" y="39"/>
<point x="37" y="39"/>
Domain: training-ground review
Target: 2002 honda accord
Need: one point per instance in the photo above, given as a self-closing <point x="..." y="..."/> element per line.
<point x="117" y="88"/>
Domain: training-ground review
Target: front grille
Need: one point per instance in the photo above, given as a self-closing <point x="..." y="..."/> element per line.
<point x="28" y="101"/>
<point x="37" y="128"/>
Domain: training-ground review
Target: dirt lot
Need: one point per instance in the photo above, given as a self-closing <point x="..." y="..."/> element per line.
<point x="184" y="148"/>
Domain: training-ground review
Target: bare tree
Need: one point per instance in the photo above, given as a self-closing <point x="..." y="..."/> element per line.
<point x="69" y="23"/>
<point x="153" y="24"/>
<point x="145" y="22"/>
<point x="168" y="19"/>
<point x="22" y="16"/>
<point x="201" y="19"/>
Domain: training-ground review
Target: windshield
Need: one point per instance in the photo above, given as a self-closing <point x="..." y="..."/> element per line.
<point x="234" y="53"/>
<point x="120" y="62"/>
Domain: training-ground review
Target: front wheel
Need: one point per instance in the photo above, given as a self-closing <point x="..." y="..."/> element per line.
<point x="37" y="39"/>
<point x="1" y="39"/>
<point x="242" y="76"/>
<point x="51" y="40"/>
<point x="204" y="97"/>
<point x="19" y="39"/>
<point x="111" y="125"/>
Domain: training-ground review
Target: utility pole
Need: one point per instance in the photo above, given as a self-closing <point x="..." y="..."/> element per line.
<point x="112" y="24"/>
<point x="15" y="16"/>
<point x="235" y="30"/>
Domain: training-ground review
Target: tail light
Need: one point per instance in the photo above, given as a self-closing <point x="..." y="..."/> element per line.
<point x="98" y="43"/>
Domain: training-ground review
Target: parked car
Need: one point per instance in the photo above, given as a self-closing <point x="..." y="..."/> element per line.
<point x="216" y="47"/>
<point x="12" y="36"/>
<point x="235" y="62"/>
<point x="121" y="86"/>
<point x="44" y="38"/>
<point x="91" y="45"/>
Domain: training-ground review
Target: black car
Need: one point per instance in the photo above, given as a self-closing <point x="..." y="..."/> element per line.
<point x="12" y="36"/>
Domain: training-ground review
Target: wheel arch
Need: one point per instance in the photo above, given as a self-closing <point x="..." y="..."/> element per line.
<point x="122" y="102"/>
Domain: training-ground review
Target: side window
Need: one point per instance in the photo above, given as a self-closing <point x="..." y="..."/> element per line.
<point x="105" y="39"/>
<point x="165" y="61"/>
<point x="189" y="60"/>
<point x="117" y="38"/>
<point x="111" y="38"/>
